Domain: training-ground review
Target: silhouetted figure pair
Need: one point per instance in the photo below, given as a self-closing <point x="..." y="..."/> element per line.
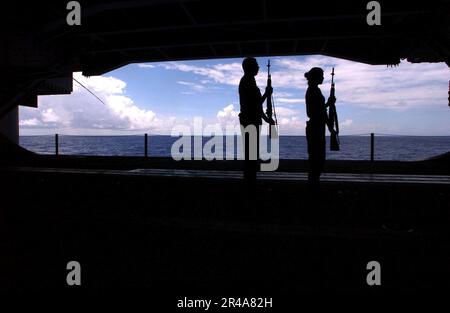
<point x="251" y="105"/>
<point x="316" y="109"/>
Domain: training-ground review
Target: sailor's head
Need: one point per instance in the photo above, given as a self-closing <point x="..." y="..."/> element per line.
<point x="315" y="76"/>
<point x="250" y="66"/>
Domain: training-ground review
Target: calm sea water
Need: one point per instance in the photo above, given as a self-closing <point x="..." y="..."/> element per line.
<point x="403" y="148"/>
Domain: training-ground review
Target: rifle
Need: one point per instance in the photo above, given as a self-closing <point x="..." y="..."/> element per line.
<point x="334" y="138"/>
<point x="270" y="103"/>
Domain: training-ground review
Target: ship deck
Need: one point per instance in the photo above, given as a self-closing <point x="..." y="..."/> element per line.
<point x="192" y="230"/>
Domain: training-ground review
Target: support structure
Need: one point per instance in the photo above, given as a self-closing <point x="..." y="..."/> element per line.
<point x="9" y="125"/>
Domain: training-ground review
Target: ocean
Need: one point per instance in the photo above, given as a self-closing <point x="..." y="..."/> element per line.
<point x="401" y="148"/>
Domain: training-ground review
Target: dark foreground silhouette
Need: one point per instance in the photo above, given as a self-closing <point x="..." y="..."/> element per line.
<point x="316" y="109"/>
<point x="186" y="235"/>
<point x="252" y="114"/>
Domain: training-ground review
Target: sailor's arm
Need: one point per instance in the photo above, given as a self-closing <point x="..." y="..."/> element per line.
<point x="267" y="119"/>
<point x="330" y="126"/>
<point x="331" y="101"/>
<point x="268" y="93"/>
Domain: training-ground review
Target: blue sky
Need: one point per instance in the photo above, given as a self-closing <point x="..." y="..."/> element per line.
<point x="410" y="99"/>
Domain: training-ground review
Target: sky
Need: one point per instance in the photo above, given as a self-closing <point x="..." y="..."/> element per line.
<point x="158" y="98"/>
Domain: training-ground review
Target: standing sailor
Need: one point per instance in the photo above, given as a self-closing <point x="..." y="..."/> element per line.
<point x="316" y="109"/>
<point x="251" y="116"/>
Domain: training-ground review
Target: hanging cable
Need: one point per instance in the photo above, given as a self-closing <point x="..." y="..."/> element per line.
<point x="89" y="90"/>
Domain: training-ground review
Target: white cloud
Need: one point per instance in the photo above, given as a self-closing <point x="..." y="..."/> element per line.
<point x="278" y="94"/>
<point x="81" y="110"/>
<point x="291" y="125"/>
<point x="282" y="111"/>
<point x="228" y="115"/>
<point x="228" y="74"/>
<point x="370" y="86"/>
<point x="30" y="122"/>
<point x="49" y="116"/>
<point x="346" y="122"/>
<point x="185" y="83"/>
<point x="289" y="120"/>
<point x="357" y="84"/>
<point x="145" y="65"/>
<point x="124" y="108"/>
<point x="191" y="85"/>
<point x="289" y="100"/>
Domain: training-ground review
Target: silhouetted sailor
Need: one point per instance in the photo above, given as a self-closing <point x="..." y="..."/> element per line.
<point x="316" y="109"/>
<point x="251" y="115"/>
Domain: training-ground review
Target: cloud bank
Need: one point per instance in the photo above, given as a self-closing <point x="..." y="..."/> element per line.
<point x="83" y="113"/>
<point x="369" y="86"/>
